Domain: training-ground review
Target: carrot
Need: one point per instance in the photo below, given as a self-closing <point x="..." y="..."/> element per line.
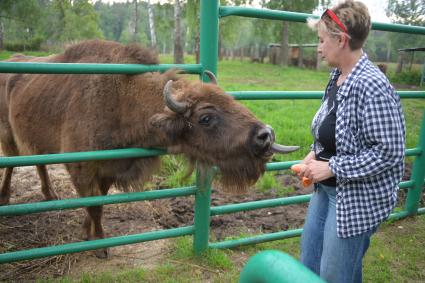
<point x="297" y="169"/>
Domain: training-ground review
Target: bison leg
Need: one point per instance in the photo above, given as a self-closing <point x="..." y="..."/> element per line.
<point x="9" y="148"/>
<point x="46" y="187"/>
<point x="94" y="229"/>
<point x="5" y="186"/>
<point x="93" y="221"/>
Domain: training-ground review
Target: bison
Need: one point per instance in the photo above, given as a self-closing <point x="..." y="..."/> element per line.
<point x="45" y="113"/>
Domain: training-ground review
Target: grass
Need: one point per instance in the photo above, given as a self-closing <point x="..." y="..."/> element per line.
<point x="396" y="253"/>
<point x="7" y="54"/>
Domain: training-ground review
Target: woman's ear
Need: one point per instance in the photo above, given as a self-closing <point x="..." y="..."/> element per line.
<point x="343" y="40"/>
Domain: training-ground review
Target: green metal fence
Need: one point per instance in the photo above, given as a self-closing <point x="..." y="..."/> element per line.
<point x="209" y="19"/>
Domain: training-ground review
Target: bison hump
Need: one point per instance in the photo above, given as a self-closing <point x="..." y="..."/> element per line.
<point x="102" y="51"/>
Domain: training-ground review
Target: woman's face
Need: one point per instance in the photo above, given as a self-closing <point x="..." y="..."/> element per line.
<point x="328" y="47"/>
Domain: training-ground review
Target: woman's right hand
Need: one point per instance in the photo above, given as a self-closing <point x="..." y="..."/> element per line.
<point x="300" y="168"/>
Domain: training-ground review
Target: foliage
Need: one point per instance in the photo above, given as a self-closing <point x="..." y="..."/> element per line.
<point x="406" y="77"/>
<point x="408" y="12"/>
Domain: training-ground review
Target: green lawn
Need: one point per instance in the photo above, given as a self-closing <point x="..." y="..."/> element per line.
<point x="396" y="253"/>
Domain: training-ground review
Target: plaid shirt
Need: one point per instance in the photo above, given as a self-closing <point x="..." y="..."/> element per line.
<point x="370" y="148"/>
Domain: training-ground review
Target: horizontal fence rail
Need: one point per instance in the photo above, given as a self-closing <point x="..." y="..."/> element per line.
<point x="95" y="244"/>
<point x="28" y="208"/>
<point x="84" y="68"/>
<point x="270" y="95"/>
<point x="69" y="157"/>
<point x="225" y="11"/>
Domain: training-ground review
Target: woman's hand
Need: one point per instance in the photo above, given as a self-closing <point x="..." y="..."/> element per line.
<point x="317" y="170"/>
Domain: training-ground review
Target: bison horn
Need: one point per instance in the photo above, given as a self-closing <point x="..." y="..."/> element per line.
<point x="211" y="76"/>
<point x="176" y="106"/>
<point x="278" y="148"/>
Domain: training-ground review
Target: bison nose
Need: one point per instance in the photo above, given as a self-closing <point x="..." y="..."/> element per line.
<point x="264" y="137"/>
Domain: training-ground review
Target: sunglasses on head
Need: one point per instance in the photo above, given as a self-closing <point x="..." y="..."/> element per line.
<point x="335" y="19"/>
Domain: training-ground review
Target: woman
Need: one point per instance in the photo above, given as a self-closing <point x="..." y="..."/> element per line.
<point x="357" y="159"/>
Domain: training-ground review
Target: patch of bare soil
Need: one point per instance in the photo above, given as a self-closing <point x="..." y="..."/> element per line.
<point x="60" y="227"/>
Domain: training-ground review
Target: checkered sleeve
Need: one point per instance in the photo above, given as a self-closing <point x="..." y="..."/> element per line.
<point x="384" y="140"/>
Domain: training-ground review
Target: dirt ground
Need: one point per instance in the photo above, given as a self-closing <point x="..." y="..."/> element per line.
<point x="60" y="227"/>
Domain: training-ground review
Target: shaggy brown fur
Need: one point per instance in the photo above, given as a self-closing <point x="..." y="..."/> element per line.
<point x="44" y="113"/>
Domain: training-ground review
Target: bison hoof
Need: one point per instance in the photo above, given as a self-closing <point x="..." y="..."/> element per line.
<point x="102" y="253"/>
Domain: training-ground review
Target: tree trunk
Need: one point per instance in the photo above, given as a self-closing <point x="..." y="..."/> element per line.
<point x="300" y="57"/>
<point x="389" y="51"/>
<point x="284" y="48"/>
<point x="318" y="60"/>
<point x="220" y="51"/>
<point x="136" y="20"/>
<point x="399" y="62"/>
<point x="197" y="48"/>
<point x="1" y="35"/>
<point x="152" y="25"/>
<point x="178" y="47"/>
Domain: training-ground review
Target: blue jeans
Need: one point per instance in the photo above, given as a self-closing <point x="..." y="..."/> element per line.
<point x="334" y="259"/>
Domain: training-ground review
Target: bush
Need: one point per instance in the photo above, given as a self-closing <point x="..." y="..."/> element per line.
<point x="19" y="46"/>
<point x="406" y="77"/>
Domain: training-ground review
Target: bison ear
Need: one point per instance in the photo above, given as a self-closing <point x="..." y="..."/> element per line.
<point x="170" y="124"/>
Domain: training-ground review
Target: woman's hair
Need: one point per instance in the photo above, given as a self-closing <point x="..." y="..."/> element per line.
<point x="354" y="15"/>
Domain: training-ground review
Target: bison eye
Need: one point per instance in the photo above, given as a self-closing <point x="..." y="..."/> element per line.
<point x="205" y="120"/>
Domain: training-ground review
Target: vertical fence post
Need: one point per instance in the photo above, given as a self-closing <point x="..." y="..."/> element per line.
<point x="209" y="36"/>
<point x="208" y="60"/>
<point x="202" y="209"/>
<point x="418" y="174"/>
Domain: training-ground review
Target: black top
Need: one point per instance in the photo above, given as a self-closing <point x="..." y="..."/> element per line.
<point x="326" y="132"/>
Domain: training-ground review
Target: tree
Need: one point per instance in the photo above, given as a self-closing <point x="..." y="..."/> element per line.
<point x="151" y="25"/>
<point x="411" y="12"/>
<point x="164" y="23"/>
<point x="306" y="6"/>
<point x="18" y="20"/>
<point x="178" y="45"/>
<point x="65" y="18"/>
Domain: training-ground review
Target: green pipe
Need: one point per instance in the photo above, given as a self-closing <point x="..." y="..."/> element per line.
<point x="83" y="68"/>
<point x="28" y="208"/>
<point x="302" y="17"/>
<point x="256" y="239"/>
<point x="411" y="94"/>
<point x="79" y="156"/>
<point x="421" y="211"/>
<point x="414" y="151"/>
<point x="398" y="215"/>
<point x="202" y="209"/>
<point x="406" y="184"/>
<point x="95" y="244"/>
<point x="274" y="166"/>
<point x="283" y="234"/>
<point x="226" y="11"/>
<point x="271" y="95"/>
<point x="252" y="205"/>
<point x="273" y="266"/>
<point x="418" y="174"/>
<point x="208" y="59"/>
<point x="209" y="36"/>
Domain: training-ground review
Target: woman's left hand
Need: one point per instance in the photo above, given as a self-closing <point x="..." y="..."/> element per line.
<point x="317" y="170"/>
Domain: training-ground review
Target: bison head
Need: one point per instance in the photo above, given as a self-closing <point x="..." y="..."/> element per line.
<point x="208" y="126"/>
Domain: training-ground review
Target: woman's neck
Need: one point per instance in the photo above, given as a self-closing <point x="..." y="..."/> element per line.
<point x="349" y="60"/>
